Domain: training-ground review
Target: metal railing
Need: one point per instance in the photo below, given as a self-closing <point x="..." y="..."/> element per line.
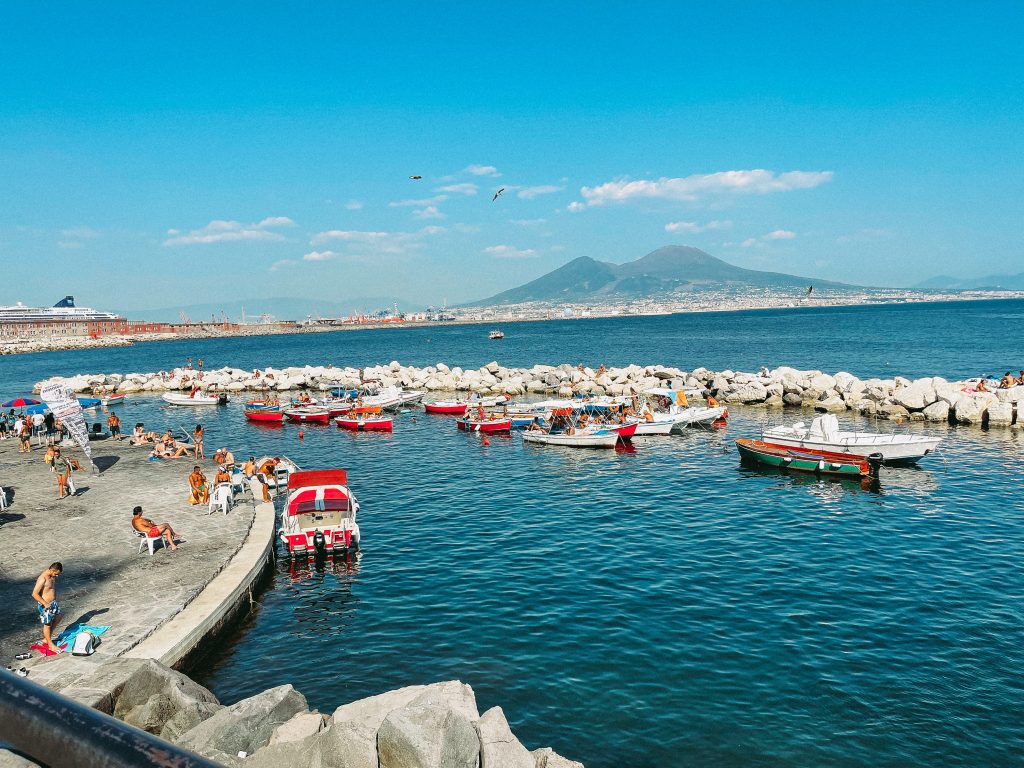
<point x="56" y="731"/>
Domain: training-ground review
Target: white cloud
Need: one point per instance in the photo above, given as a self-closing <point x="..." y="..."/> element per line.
<point x="482" y="170"/>
<point x="690" y="188"/>
<point x="220" y="231"/>
<point x="418" y="203"/>
<point x="692" y="227"/>
<point x="466" y="188"/>
<point x="750" y="242"/>
<point x="354" y="205"/>
<point x="275" y="221"/>
<point x="576" y="206"/>
<point x="430" y="212"/>
<point x="528" y="193"/>
<point x="319" y="255"/>
<point x="282" y="264"/>
<point x="780" y="234"/>
<point x="510" y="252"/>
<point x="383" y="243"/>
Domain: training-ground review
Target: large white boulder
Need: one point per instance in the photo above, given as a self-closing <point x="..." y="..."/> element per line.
<point x="748" y="392"/>
<point x="1000" y="414"/>
<point x="427" y="737"/>
<point x="499" y="748"/>
<point x="917" y="395"/>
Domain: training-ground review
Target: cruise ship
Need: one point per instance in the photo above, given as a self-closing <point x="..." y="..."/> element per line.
<point x="63" y="311"/>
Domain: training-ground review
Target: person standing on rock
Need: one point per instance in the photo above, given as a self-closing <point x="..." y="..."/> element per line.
<point x="62" y="466"/>
<point x="51" y="431"/>
<point x="45" y="594"/>
<point x="198" y="437"/>
<point x="114" y="425"/>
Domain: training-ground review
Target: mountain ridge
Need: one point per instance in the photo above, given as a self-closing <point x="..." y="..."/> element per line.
<point x="671" y="269"/>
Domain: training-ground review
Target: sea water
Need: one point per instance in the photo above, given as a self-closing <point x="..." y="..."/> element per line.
<point x="660" y="606"/>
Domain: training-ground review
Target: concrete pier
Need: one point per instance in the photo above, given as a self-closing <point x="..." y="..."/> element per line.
<point x="106" y="580"/>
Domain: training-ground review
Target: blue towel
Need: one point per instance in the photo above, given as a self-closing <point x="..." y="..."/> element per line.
<point x="67" y="637"/>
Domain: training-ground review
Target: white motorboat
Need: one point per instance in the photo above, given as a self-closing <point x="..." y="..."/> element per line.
<point x="195" y="398"/>
<point x="824" y="435"/>
<point x="677" y="407"/>
<point x="319" y="517"/>
<point x="564" y="430"/>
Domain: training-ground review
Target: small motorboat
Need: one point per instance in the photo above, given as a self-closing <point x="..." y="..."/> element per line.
<point x="496" y="335"/>
<point x="456" y="407"/>
<point x="114" y="398"/>
<point x="319" y="516"/>
<point x="89" y="403"/>
<point x="487" y="425"/>
<point x="264" y="415"/>
<point x="337" y="406"/>
<point x="365" y="419"/>
<point x="262" y="405"/>
<point x="195" y="398"/>
<point x="624" y="431"/>
<point x="824" y="435"/>
<point x="584" y="438"/>
<point x="807" y="460"/>
<point x="311" y="413"/>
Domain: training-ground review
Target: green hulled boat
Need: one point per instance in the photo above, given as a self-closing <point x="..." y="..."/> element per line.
<point x="805" y="460"/>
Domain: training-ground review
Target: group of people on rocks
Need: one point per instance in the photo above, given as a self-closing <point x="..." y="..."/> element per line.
<point x="1007" y="382"/>
<point x="199" y="486"/>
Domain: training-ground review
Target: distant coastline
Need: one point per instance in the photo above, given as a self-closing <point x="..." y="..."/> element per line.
<point x="525" y="313"/>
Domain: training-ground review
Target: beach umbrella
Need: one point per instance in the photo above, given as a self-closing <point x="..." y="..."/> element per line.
<point x="19" y="402"/>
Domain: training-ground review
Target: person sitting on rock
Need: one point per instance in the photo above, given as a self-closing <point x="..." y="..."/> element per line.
<point x="981" y="384"/>
<point x="147" y="527"/>
<point x="1007" y="381"/>
<point x="199" y="489"/>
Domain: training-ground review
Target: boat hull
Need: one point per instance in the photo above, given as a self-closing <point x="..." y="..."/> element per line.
<point x="785" y="457"/>
<point x="365" y="425"/>
<point x="892" y="452"/>
<point x="446" y="408"/>
<point x="178" y="399"/>
<point x="112" y="400"/>
<point x="312" y="417"/>
<point x="579" y="440"/>
<point x="497" y="425"/>
<point x="265" y="416"/>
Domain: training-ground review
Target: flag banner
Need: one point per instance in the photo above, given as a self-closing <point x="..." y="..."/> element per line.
<point x="65" y="406"/>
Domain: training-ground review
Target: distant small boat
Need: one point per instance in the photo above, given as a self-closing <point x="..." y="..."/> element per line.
<point x="264" y="415"/>
<point x="313" y="414"/>
<point x="365" y="419"/>
<point x="496" y="335"/>
<point x="484" y="425"/>
<point x="113" y="399"/>
<point x="196" y="398"/>
<point x="456" y="407"/>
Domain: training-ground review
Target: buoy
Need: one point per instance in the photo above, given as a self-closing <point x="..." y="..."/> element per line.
<point x="301" y="434"/>
<point x="486" y="441"/>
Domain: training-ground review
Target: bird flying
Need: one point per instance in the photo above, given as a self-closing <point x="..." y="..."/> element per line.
<point x="497" y="194"/>
<point x="415" y="178"/>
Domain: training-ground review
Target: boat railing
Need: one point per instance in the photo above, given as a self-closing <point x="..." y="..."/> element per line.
<point x="54" y="730"/>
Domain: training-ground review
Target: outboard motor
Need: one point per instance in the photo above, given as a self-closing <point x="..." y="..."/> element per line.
<point x="319" y="543"/>
<point x="875" y="465"/>
<point x="222" y="398"/>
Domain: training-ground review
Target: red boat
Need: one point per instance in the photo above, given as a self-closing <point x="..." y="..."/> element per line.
<point x="320" y="515"/>
<point x="454" y="407"/>
<point x="626" y="431"/>
<point x="309" y="414"/>
<point x="484" y="425"/>
<point x="265" y="415"/>
<point x="365" y="419"/>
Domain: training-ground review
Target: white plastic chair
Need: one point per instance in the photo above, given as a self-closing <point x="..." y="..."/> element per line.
<point x="3" y="498"/>
<point x="221" y="498"/>
<point x="146" y="540"/>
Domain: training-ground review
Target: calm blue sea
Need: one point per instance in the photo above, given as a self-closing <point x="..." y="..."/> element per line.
<point x="664" y="606"/>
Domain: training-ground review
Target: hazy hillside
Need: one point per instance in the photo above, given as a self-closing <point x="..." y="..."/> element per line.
<point x="670" y="270"/>
<point x="993" y="282"/>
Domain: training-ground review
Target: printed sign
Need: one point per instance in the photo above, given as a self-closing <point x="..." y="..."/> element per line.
<point x="65" y="406"/>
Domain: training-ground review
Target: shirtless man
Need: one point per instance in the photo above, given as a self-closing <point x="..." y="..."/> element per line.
<point x="149" y="528"/>
<point x="45" y="594"/>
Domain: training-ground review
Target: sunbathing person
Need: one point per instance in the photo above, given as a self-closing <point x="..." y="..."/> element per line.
<point x="981" y="384"/>
<point x="172" y="449"/>
<point x="249" y="468"/>
<point x="222" y="476"/>
<point x="152" y="530"/>
<point x="1007" y="381"/>
<point x="199" y="489"/>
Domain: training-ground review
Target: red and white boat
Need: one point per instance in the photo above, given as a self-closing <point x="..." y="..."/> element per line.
<point x="624" y="431"/>
<point x="338" y="406"/>
<point x="312" y="413"/>
<point x="450" y="407"/>
<point x="365" y="419"/>
<point x="471" y="424"/>
<point x="264" y="415"/>
<point x="114" y="398"/>
<point x="319" y="516"/>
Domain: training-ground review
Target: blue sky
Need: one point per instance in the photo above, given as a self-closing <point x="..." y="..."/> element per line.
<point x="178" y="155"/>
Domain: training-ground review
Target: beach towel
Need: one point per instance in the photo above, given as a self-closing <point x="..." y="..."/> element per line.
<point x="65" y="639"/>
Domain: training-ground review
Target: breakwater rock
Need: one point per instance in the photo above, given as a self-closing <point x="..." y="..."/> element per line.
<point x="926" y="399"/>
<point x="420" y="726"/>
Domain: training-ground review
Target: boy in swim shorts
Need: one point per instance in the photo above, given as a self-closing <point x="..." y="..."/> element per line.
<point x="45" y="594"/>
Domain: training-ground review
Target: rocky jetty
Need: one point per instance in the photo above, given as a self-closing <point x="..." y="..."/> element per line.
<point x="926" y="399"/>
<point x="420" y="726"/>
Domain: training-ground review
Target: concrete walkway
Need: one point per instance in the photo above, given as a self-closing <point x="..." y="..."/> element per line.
<point x="106" y="581"/>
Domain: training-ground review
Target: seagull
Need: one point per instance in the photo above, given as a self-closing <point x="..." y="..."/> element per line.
<point x="497" y="194"/>
<point x="415" y="178"/>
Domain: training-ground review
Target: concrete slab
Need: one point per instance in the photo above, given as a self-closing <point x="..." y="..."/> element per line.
<point x="106" y="580"/>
